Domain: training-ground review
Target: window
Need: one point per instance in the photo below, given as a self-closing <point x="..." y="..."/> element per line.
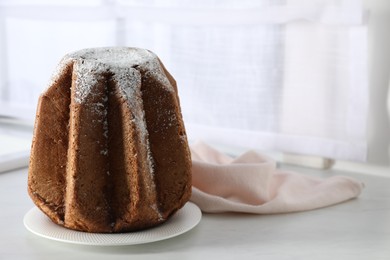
<point x="287" y="75"/>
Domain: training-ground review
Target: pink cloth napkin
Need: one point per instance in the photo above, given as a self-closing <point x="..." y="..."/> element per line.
<point x="251" y="183"/>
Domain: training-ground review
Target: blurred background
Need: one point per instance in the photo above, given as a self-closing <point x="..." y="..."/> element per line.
<point x="290" y="77"/>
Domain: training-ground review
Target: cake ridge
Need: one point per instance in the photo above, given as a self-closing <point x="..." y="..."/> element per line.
<point x="80" y="187"/>
<point x="128" y="81"/>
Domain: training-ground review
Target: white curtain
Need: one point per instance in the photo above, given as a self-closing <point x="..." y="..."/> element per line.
<point x="284" y="75"/>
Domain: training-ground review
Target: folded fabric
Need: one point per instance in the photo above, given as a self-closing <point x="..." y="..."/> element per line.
<point x="251" y="183"/>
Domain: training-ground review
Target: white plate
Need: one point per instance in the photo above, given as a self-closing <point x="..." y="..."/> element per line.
<point x="184" y="220"/>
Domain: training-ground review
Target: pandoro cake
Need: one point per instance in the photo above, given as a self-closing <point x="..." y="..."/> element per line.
<point x="109" y="151"/>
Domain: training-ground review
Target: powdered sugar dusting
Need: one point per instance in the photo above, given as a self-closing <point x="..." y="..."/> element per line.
<point x="88" y="74"/>
<point x="100" y="60"/>
<point x="59" y="70"/>
<point x="113" y="60"/>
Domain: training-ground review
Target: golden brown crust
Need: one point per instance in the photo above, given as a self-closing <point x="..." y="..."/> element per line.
<point x="164" y="129"/>
<point x="46" y="183"/>
<point x="93" y="166"/>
